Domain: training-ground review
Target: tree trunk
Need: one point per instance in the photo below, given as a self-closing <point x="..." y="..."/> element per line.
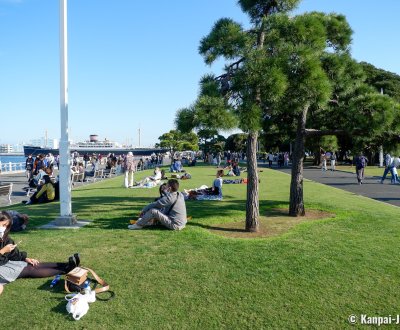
<point x="296" y="206"/>
<point x="252" y="203"/>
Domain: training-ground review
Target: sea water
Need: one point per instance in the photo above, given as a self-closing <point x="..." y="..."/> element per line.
<point x="12" y="159"/>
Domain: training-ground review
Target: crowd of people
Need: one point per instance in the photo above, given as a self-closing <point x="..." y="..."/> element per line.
<point x="168" y="210"/>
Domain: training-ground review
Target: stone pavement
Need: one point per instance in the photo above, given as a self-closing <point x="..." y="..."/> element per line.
<point x="19" y="181"/>
<point x="370" y="188"/>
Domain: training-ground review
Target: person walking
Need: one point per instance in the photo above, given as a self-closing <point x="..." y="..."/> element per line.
<point x="333" y="161"/>
<point x="361" y="162"/>
<point x="270" y="159"/>
<point x="323" y="160"/>
<point x="29" y="167"/>
<point x="388" y="167"/>
<point x="129" y="167"/>
<point x="395" y="165"/>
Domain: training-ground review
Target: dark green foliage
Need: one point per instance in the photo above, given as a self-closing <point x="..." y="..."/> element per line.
<point x="177" y="141"/>
<point x="380" y="79"/>
<point x="236" y="142"/>
<point x="213" y="112"/>
<point x="226" y="39"/>
<point x="185" y="120"/>
<point x="257" y="9"/>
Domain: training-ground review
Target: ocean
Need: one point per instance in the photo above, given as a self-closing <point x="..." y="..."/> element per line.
<point x="12" y="159"/>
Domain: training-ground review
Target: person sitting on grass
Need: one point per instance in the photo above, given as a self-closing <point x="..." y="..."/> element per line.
<point x="215" y="190"/>
<point x="155" y="179"/>
<point x="230" y="171"/>
<point x="168" y="211"/>
<point x="46" y="193"/>
<point x="15" y="264"/>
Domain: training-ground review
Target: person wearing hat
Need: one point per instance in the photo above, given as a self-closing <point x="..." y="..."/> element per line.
<point x="129" y="167"/>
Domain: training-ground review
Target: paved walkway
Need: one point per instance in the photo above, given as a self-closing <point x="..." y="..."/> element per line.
<point x="371" y="188"/>
<point x="19" y="181"/>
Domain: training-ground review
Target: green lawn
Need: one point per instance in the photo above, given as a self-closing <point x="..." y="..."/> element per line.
<point x="369" y="170"/>
<point x="313" y="276"/>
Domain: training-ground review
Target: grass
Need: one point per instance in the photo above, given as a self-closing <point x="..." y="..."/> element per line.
<point x="312" y="276"/>
<point x="368" y="171"/>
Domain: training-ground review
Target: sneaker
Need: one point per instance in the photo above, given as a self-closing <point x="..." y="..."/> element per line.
<point x="135" y="227"/>
<point x="77" y="259"/>
<point x="28" y="202"/>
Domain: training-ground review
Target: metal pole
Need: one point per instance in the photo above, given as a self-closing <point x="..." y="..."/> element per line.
<point x="381" y="147"/>
<point x="66" y="217"/>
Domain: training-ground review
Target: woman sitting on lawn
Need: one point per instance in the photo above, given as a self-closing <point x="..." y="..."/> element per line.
<point x="154" y="179"/>
<point x="45" y="194"/>
<point x="215" y="190"/>
<point x="16" y="264"/>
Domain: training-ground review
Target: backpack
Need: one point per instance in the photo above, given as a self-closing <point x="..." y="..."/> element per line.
<point x="361" y="162"/>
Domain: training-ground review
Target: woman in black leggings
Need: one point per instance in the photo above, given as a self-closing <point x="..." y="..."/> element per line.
<point x="15" y="264"/>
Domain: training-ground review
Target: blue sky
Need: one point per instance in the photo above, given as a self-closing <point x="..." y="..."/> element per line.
<point x="134" y="63"/>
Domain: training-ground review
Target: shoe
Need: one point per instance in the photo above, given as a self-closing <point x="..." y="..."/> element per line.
<point x="71" y="264"/>
<point x="77" y="259"/>
<point x="135" y="227"/>
<point x="28" y="202"/>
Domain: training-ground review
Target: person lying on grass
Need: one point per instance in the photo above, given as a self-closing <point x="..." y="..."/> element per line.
<point x="15" y="264"/>
<point x="19" y="220"/>
<point x="169" y="210"/>
<point x="215" y="190"/>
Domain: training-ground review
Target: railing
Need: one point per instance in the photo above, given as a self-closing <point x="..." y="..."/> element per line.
<point x="6" y="168"/>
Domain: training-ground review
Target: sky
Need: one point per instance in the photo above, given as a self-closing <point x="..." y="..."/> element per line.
<point x="132" y="64"/>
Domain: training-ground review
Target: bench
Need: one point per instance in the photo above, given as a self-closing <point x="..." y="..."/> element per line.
<point x="6" y="190"/>
<point x="78" y="177"/>
<point x="29" y="191"/>
<point x="112" y="172"/>
<point x="98" y="174"/>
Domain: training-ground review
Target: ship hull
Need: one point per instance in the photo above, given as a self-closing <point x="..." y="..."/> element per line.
<point x="34" y="151"/>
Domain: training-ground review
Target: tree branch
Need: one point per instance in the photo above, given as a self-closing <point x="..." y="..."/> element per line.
<point x="318" y="132"/>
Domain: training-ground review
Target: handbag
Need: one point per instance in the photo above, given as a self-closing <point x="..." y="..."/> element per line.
<point x="75" y="280"/>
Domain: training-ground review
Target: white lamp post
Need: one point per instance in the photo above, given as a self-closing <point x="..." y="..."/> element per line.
<point x="66" y="217"/>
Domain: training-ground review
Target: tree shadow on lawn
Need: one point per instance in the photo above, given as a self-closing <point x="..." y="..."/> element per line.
<point x="201" y="210"/>
<point x="115" y="212"/>
<point x="110" y="212"/>
<point x="272" y="222"/>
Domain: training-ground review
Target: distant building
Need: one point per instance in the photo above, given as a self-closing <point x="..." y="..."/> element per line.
<point x="6" y="148"/>
<point x="19" y="147"/>
<point x="45" y="143"/>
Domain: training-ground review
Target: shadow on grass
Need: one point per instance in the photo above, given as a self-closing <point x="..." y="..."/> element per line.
<point x="274" y="222"/>
<point x="114" y="212"/>
<point x="272" y="208"/>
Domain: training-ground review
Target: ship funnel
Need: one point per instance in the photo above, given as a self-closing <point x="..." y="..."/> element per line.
<point x="94" y="138"/>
